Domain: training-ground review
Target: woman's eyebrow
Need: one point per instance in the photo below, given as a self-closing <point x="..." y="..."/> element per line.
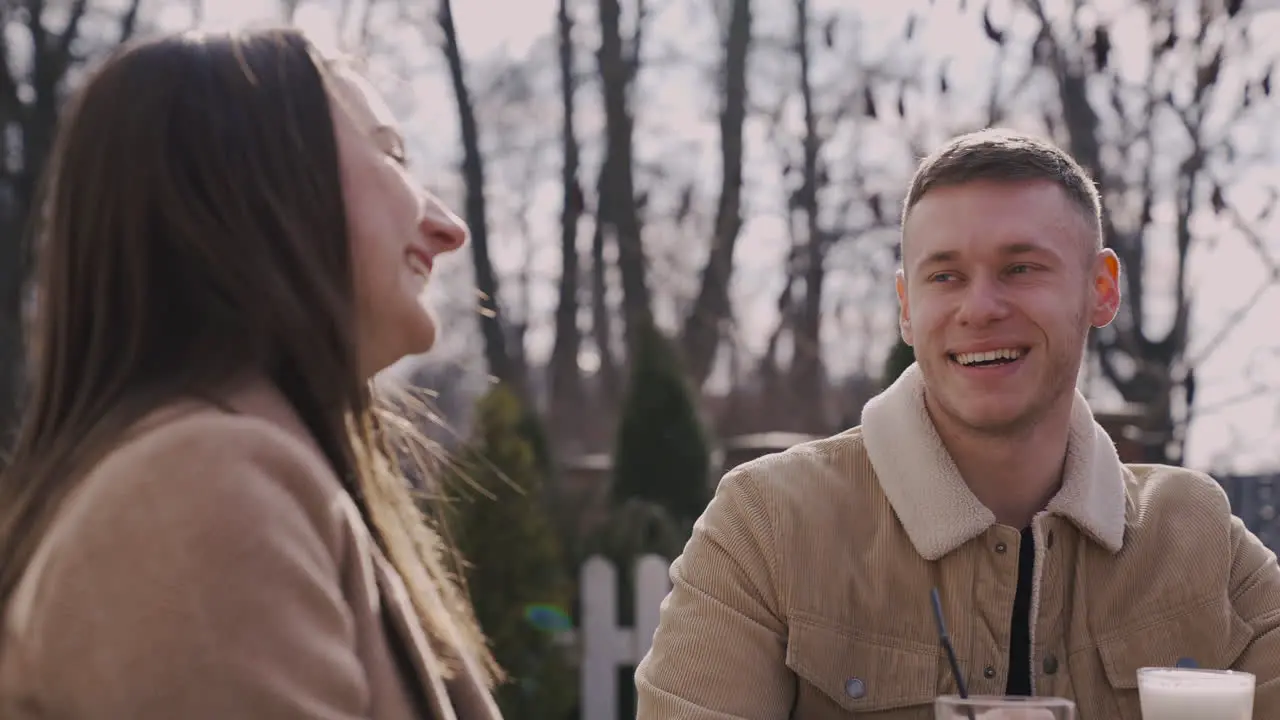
<point x="388" y="132"/>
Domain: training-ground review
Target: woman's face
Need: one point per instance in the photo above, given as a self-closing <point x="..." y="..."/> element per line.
<point x="396" y="229"/>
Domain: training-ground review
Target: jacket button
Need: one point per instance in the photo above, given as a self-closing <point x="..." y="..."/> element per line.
<point x="988" y="672"/>
<point x="855" y="688"/>
<point x="1050" y="664"/>
<point x="1001" y="547"/>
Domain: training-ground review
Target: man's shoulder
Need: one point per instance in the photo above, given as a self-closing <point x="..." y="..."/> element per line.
<point x="812" y="473"/>
<point x="1153" y="487"/>
<point x="1174" y="510"/>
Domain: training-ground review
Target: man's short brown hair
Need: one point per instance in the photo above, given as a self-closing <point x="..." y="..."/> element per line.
<point x="1005" y="156"/>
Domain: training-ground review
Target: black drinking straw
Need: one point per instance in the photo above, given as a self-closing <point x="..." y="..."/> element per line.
<point x="945" y="639"/>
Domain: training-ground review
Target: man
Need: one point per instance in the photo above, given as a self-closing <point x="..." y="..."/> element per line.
<point x="805" y="589"/>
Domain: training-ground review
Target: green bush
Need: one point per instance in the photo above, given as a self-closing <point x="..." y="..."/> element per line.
<point x="515" y="570"/>
<point x="661" y="455"/>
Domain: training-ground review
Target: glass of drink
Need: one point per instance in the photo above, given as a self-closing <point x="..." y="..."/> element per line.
<point x="991" y="707"/>
<point x="1195" y="694"/>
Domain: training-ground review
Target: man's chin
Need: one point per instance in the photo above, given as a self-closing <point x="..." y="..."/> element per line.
<point x="999" y="425"/>
<point x="991" y="418"/>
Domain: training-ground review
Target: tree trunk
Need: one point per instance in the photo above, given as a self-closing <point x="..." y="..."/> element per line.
<point x="36" y="120"/>
<point x="502" y="363"/>
<point x="619" y="185"/>
<point x="610" y="384"/>
<point x="565" y="377"/>
<point x="808" y="372"/>
<point x="711" y="308"/>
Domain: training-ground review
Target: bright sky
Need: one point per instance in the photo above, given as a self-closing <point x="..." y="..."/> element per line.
<point x="520" y="20"/>
<point x="1240" y="380"/>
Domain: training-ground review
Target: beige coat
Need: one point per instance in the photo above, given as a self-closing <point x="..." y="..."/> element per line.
<point x="804" y="592"/>
<point x="213" y="567"/>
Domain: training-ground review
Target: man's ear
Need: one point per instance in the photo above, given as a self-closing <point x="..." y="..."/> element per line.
<point x="904" y="307"/>
<point x="1106" y="288"/>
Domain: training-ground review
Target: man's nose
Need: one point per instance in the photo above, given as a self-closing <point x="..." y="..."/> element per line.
<point x="983" y="302"/>
<point x="444" y="230"/>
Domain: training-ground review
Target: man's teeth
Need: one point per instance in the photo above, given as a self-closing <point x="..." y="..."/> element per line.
<point x="988" y="356"/>
<point x="419" y="267"/>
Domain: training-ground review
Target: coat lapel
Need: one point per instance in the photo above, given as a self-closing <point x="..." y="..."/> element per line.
<point x="402" y="619"/>
<point x="462" y="696"/>
<point x="471" y="698"/>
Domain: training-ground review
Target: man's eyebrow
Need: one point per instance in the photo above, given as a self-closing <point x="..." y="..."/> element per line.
<point x="1023" y="248"/>
<point x="1012" y="249"/>
<point x="941" y="256"/>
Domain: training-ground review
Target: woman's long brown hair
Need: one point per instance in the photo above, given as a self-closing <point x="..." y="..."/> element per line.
<point x="191" y="232"/>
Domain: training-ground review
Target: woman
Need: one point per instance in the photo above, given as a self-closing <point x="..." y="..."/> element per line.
<point x="199" y="519"/>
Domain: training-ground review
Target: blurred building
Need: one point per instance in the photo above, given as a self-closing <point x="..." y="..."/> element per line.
<point x="1125" y="426"/>
<point x="1253" y="500"/>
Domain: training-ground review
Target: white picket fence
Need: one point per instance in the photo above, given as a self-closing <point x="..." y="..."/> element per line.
<point x="603" y="645"/>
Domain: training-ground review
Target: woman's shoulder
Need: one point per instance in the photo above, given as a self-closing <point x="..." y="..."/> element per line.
<point x="190" y="482"/>
<point x="209" y="538"/>
<point x="195" y="436"/>
<point x="194" y="451"/>
<point x="255" y="419"/>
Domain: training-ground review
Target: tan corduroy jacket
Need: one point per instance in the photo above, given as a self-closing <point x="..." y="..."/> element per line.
<point x="212" y="566"/>
<point x="804" y="592"/>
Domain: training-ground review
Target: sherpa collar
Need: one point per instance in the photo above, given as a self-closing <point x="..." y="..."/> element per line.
<point x="935" y="505"/>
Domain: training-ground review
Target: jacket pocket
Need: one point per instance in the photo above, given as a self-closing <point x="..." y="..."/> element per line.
<point x="859" y="674"/>
<point x="1211" y="634"/>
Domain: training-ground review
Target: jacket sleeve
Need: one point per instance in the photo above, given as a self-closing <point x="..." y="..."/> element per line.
<point x="199" y="578"/>
<point x="720" y="648"/>
<point x="1255" y="594"/>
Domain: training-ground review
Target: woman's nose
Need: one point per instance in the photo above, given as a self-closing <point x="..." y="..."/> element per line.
<point x="445" y="231"/>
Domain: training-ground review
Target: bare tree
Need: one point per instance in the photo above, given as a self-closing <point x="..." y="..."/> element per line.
<point x="1172" y="108"/>
<point x="609" y="204"/>
<point x="565" y="376"/>
<point x="32" y="86"/>
<point x="703" y="326"/>
<point x="808" y="371"/>
<point x="609" y="385"/>
<point x="618" y="184"/>
<point x="799" y="392"/>
<point x="503" y="363"/>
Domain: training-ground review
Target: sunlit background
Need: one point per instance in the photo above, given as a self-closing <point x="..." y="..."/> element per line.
<point x="1233" y="333"/>
<point x="597" y="455"/>
<point x="509" y="48"/>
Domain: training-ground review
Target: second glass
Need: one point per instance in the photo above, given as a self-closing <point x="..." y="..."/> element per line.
<point x="1182" y="693"/>
<point x="953" y="707"/>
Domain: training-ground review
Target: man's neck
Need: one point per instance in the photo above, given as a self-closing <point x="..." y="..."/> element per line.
<point x="1015" y="476"/>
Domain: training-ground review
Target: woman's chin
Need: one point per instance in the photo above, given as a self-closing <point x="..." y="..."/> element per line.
<point x="421" y="336"/>
<point x="413" y="334"/>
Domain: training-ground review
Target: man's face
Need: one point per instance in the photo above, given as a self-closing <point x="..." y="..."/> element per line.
<point x="1000" y="284"/>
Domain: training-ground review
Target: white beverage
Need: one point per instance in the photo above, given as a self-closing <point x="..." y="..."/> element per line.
<point x="1188" y="694"/>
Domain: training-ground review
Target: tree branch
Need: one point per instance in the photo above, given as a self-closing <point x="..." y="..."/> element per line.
<point x="129" y="22"/>
<point x="70" y="32"/>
